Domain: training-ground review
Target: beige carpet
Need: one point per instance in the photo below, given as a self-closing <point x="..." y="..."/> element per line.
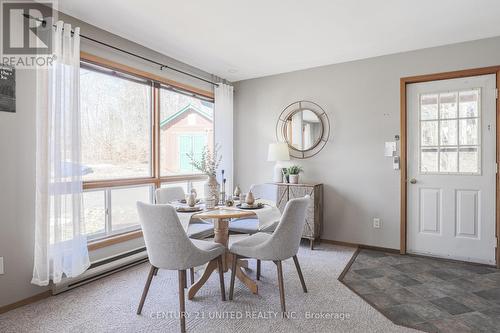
<point x="109" y="304"/>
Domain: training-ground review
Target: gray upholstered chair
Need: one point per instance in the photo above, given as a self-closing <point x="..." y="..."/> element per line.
<point x="251" y="225"/>
<point x="282" y="244"/>
<point x="166" y="195"/>
<point x="197" y="229"/>
<point x="169" y="248"/>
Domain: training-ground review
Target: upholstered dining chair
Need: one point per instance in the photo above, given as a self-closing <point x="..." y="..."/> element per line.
<point x="282" y="244"/>
<point x="197" y="229"/>
<point x="166" y="195"/>
<point x="169" y="248"/>
<point x="251" y="225"/>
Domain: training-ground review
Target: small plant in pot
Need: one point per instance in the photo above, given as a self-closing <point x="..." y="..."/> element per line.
<point x="293" y="173"/>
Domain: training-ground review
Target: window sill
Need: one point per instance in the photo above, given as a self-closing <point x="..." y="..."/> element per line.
<point x="116" y="239"/>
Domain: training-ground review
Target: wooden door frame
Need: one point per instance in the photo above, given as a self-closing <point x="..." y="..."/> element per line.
<point x="404" y="141"/>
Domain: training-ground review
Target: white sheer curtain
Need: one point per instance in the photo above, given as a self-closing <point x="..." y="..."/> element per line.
<point x="60" y="241"/>
<point x="223" y="125"/>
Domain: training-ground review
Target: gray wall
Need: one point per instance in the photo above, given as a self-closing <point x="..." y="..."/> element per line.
<point x="362" y="102"/>
<point x="17" y="164"/>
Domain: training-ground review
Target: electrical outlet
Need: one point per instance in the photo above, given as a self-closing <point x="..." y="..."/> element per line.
<point x="1" y="266"/>
<point x="376" y="223"/>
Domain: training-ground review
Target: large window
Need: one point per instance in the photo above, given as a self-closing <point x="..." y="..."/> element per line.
<point x="116" y="125"/>
<point x="113" y="210"/>
<point x="120" y="115"/>
<point x="186" y="127"/>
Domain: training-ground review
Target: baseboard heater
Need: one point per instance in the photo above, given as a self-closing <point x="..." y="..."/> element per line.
<point x="102" y="268"/>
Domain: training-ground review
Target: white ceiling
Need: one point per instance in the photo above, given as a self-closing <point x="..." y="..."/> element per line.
<point x="241" y="39"/>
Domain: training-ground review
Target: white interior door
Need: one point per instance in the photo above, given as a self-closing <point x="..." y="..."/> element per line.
<point x="452" y="168"/>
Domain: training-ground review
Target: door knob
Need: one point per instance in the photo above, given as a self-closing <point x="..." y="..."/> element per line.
<point x="413" y="181"/>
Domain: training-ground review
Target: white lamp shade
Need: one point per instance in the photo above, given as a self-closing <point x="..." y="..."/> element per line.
<point x="278" y="152"/>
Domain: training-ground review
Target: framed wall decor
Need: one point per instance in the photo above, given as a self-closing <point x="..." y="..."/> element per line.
<point x="305" y="127"/>
<point x="7" y="89"/>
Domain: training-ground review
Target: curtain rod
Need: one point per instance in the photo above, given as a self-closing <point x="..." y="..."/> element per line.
<point x="162" y="66"/>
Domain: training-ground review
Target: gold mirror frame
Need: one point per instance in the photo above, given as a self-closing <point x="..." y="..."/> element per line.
<point x="292" y="109"/>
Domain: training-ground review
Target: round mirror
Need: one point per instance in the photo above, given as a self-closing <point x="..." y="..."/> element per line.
<point x="303" y="129"/>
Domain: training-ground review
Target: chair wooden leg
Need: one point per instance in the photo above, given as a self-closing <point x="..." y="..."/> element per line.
<point x="311" y="244"/>
<point x="182" y="304"/>
<point x="258" y="269"/>
<point x="221" y="278"/>
<point x="281" y="284"/>
<point x="185" y="283"/>
<point x="299" y="271"/>
<point x="152" y="272"/>
<point x="191" y="275"/>
<point x="233" y="274"/>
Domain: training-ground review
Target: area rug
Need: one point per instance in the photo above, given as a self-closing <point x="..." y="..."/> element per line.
<point x="109" y="304"/>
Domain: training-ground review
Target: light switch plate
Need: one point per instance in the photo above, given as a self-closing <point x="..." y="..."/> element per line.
<point x="376" y="223"/>
<point x="1" y="266"/>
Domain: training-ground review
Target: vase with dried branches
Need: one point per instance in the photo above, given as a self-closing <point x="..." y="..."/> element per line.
<point x="208" y="164"/>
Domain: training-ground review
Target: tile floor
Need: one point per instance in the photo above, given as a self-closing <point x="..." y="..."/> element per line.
<point x="432" y="295"/>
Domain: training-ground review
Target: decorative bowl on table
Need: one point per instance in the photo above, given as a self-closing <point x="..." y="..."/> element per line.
<point x="258" y="205"/>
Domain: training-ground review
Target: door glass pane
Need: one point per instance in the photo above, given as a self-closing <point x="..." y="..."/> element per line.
<point x="429" y="160"/>
<point x="429" y="107"/>
<point x="469" y="133"/>
<point x="448" y="160"/>
<point x="469" y="161"/>
<point x="429" y="133"/>
<point x="448" y="135"/>
<point x="123" y="206"/>
<point x="94" y="212"/>
<point x="469" y="101"/>
<point x="448" y="105"/>
<point x="452" y="142"/>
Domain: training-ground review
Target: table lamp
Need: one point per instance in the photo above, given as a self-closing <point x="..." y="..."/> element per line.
<point x="278" y="152"/>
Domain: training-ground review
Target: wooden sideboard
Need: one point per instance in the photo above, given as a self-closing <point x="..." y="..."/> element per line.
<point x="314" y="216"/>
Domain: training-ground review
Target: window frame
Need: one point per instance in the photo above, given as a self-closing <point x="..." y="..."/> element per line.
<point x="155" y="180"/>
<point x="108" y="212"/>
<point x="100" y="235"/>
<point x="88" y="65"/>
